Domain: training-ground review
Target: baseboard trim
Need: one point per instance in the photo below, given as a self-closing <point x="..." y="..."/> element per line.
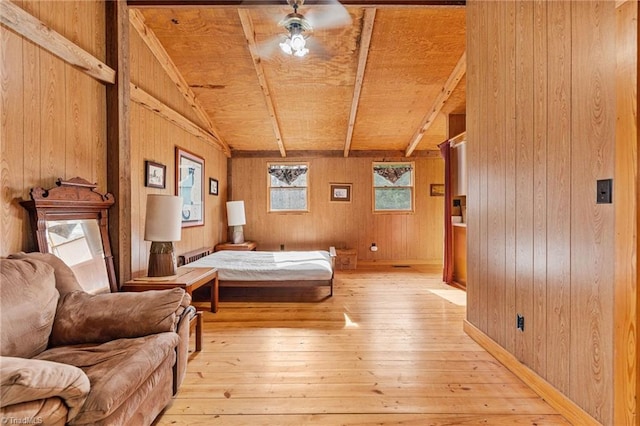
<point x="410" y="262"/>
<point x="569" y="409"/>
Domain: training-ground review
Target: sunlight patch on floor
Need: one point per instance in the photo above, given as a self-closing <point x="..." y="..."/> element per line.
<point x="457" y="297"/>
<point x="348" y="323"/>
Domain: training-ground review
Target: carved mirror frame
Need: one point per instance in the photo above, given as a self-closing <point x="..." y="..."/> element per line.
<point x="75" y="199"/>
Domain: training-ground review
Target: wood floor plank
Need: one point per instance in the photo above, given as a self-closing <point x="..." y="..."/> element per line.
<point x="350" y="376"/>
<point x="387" y="348"/>
<point x="365" y="405"/>
<point x="364" y="419"/>
<point x="348" y="390"/>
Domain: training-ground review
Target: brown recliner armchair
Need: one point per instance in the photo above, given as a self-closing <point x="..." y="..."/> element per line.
<point x="69" y="357"/>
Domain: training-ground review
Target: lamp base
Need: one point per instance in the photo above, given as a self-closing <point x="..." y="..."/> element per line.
<point x="238" y="234"/>
<point x="162" y="260"/>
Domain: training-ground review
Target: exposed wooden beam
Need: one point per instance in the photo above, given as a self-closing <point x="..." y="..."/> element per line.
<point x="151" y="40"/>
<point x="249" y="33"/>
<point x="38" y="32"/>
<point x="119" y="135"/>
<point x="258" y="3"/>
<point x="447" y="89"/>
<point x="365" y="40"/>
<point x="381" y="154"/>
<point x="145" y="99"/>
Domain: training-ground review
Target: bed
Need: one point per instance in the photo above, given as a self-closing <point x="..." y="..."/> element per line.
<point x="267" y="268"/>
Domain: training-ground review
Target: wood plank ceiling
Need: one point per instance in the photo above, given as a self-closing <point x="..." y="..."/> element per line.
<point x="384" y="82"/>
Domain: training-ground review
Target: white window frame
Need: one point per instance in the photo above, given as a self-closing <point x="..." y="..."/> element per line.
<point x="297" y="187"/>
<point x="410" y="186"/>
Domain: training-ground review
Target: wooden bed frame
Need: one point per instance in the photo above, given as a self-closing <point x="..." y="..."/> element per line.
<point x="192" y="256"/>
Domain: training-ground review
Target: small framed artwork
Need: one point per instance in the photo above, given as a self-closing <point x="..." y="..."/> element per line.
<point x="155" y="174"/>
<point x="213" y="186"/>
<point x="341" y="192"/>
<point x="190" y="186"/>
<point x="437" y="190"/>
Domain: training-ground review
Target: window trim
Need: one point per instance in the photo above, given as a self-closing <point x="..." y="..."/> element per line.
<point x="412" y="187"/>
<point x="269" y="187"/>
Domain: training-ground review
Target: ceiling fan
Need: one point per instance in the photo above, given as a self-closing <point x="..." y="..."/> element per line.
<point x="299" y="27"/>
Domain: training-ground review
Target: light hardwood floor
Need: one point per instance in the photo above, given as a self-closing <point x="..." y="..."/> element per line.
<point x="387" y="348"/>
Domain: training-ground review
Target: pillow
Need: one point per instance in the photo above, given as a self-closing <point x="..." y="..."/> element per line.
<point x="99" y="318"/>
<point x="66" y="280"/>
<point x="28" y="297"/>
<point x="24" y="380"/>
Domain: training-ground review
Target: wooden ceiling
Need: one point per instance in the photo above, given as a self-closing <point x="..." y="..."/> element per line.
<point x="384" y="82"/>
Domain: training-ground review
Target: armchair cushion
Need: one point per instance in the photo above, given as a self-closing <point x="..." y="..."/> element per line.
<point x="116" y="369"/>
<point x="29" y="299"/>
<point x="24" y="380"/>
<point x="99" y="318"/>
<point x="66" y="280"/>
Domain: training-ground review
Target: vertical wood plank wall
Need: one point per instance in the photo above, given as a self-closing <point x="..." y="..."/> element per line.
<point x="53" y="116"/>
<point x="155" y="138"/>
<point x="400" y="237"/>
<point x="541" y="126"/>
<point x="626" y="160"/>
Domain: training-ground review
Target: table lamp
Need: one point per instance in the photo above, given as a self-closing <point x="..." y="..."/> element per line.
<point x="235" y="218"/>
<point x="163" y="225"/>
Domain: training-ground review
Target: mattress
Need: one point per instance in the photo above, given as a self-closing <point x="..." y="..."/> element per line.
<point x="269" y="265"/>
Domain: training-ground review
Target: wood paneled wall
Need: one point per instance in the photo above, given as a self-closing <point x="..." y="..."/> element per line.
<point x="541" y="126"/>
<point x="52" y="115"/>
<point x="155" y="138"/>
<point x="400" y="237"/>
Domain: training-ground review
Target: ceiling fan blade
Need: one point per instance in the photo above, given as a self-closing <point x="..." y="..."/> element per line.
<point x="267" y="48"/>
<point x="332" y="15"/>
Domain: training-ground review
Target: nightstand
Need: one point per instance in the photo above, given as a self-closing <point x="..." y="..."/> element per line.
<point x="346" y="259"/>
<point x="189" y="279"/>
<point x="246" y="246"/>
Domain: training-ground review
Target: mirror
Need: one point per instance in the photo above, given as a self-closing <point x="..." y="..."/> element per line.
<point x="70" y="221"/>
<point x="78" y="243"/>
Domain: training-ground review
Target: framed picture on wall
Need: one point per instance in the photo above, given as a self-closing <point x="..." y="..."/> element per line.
<point x="155" y="174"/>
<point x="437" y="190"/>
<point x="341" y="192"/>
<point x="213" y="186"/>
<point x="190" y="186"/>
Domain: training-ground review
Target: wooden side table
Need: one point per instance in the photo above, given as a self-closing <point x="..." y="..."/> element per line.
<point x="188" y="278"/>
<point x="246" y="246"/>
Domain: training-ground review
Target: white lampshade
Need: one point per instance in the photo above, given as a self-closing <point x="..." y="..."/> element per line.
<point x="235" y="213"/>
<point x="164" y="218"/>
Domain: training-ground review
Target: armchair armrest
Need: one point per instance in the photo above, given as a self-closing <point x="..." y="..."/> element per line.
<point x="24" y="380"/>
<point x="85" y="318"/>
<point x="183" y="329"/>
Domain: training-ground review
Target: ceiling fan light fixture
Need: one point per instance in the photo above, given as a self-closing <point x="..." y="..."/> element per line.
<point x="296" y="25"/>
<point x="286" y="46"/>
<point x="300" y="53"/>
<point x="295" y="43"/>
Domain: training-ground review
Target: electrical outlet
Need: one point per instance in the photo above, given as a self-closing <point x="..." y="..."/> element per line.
<point x="520" y="322"/>
<point x="605" y="191"/>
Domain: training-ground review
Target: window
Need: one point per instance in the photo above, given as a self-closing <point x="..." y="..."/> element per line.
<point x="393" y="187"/>
<point x="288" y="187"/>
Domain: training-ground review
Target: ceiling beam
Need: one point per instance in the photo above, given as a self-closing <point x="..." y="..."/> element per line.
<point x="365" y="40"/>
<point x="148" y="101"/>
<point x="33" y="29"/>
<point x="249" y="33"/>
<point x="157" y="49"/>
<point x="453" y="80"/>
<point x="258" y="3"/>
<point x="381" y="155"/>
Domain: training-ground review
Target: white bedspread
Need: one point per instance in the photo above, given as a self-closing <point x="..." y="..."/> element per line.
<point x="269" y="265"/>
